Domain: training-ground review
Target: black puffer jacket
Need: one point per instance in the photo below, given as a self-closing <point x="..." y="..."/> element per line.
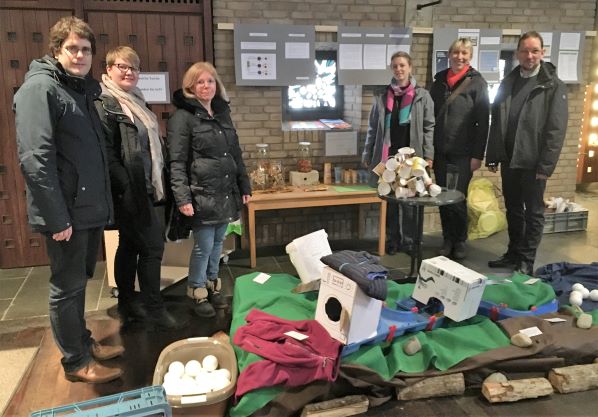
<point x="462" y="125"/>
<point x="61" y="149"/>
<point x="206" y="166"/>
<point x="125" y="160"/>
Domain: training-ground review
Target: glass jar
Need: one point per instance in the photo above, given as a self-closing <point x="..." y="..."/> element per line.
<point x="304" y="157"/>
<point x="260" y="177"/>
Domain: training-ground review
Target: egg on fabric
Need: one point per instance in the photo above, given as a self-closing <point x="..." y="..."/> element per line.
<point x="594" y="295"/>
<point x="177" y="368"/>
<point x="210" y="363"/>
<point x="192" y="368"/>
<point x="577" y="287"/>
<point x="585" y="293"/>
<point x="576" y="298"/>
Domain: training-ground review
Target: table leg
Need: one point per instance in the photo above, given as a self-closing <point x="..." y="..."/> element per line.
<point x="251" y="221"/>
<point x="382" y="231"/>
<point x="416" y="256"/>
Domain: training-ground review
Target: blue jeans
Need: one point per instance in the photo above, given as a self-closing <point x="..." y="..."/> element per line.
<point x="205" y="256"/>
<point x="72" y="263"/>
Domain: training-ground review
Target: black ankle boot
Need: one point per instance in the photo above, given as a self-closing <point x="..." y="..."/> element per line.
<point x="214" y="295"/>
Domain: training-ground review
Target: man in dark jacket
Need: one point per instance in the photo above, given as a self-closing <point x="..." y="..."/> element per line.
<point x="529" y="121"/>
<point x="63" y="159"/>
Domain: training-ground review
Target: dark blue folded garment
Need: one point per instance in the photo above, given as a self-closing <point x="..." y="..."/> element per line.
<point x="363" y="268"/>
<point x="562" y="275"/>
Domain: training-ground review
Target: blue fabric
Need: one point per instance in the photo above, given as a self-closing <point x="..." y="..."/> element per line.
<point x="562" y="275"/>
<point x="205" y="256"/>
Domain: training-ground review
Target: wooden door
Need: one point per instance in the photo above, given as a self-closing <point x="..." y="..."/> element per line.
<point x="168" y="35"/>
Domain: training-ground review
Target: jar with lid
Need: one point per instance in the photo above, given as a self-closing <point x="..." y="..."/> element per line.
<point x="261" y="174"/>
<point x="304" y="158"/>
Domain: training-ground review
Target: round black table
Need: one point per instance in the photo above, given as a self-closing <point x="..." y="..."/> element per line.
<point x="446" y="197"/>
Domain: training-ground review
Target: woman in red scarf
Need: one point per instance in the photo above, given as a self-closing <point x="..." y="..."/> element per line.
<point x="402" y="115"/>
<point x="461" y="107"/>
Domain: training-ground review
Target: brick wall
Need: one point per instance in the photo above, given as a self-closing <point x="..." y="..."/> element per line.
<point x="257" y="110"/>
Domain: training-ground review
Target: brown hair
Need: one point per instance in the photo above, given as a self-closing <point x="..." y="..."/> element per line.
<point x="192" y="74"/>
<point x="531" y="34"/>
<point x="124" y="52"/>
<point x="63" y="28"/>
<point x="462" y="43"/>
<point x="401" y="54"/>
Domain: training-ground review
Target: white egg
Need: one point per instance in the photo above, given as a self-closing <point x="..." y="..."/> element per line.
<point x="575" y="298"/>
<point x="169" y="376"/>
<point x="219" y="382"/>
<point x="177" y="368"/>
<point x="224" y="372"/>
<point x="188" y="385"/>
<point x="585" y="292"/>
<point x="594" y="295"/>
<point x="204" y="387"/>
<point x="210" y="363"/>
<point x="192" y="367"/>
<point x="577" y="287"/>
<point x="174" y="387"/>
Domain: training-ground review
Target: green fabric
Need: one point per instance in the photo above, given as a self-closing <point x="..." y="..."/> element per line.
<point x="349" y="188"/>
<point x="517" y="295"/>
<point x="234" y="227"/>
<point x="442" y="348"/>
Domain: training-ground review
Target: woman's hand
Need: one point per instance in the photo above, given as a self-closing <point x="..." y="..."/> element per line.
<point x="475" y="164"/>
<point x="186" y="209"/>
<point x="246" y="198"/>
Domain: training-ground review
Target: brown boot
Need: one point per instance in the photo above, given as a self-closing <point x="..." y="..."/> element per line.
<point x="94" y="373"/>
<point x="105" y="352"/>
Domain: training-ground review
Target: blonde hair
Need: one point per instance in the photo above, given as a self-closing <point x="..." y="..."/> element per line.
<point x="124" y="52"/>
<point x="462" y="43"/>
<point x="193" y="73"/>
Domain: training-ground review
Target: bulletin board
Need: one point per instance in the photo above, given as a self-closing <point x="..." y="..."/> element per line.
<point x="364" y="53"/>
<point x="565" y="51"/>
<point x="274" y="55"/>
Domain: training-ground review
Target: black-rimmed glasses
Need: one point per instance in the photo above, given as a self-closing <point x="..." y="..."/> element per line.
<point x="124" y="68"/>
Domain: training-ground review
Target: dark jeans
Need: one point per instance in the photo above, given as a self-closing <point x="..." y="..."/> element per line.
<point x="524" y="201"/>
<point x="400" y="225"/>
<point x="139" y="253"/>
<point x="453" y="216"/>
<point x="72" y="263"/>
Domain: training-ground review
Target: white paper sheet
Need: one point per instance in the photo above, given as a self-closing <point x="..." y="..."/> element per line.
<point x="567" y="65"/>
<point x="374" y="56"/>
<point x="296" y="50"/>
<point x="258" y="66"/>
<point x="258" y="45"/>
<point x="350" y="56"/>
<point x="569" y="41"/>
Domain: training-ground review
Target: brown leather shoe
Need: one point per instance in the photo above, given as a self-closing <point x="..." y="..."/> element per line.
<point x="93" y="373"/>
<point x="105" y="352"/>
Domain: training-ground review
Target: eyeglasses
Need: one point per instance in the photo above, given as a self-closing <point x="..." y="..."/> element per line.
<point x="124" y="68"/>
<point x="74" y="51"/>
<point x="530" y="51"/>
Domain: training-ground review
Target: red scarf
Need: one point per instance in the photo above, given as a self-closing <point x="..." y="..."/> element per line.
<point x="452" y="78"/>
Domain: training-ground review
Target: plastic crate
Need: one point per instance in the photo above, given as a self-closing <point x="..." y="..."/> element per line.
<point x="568" y="221"/>
<point x="143" y="402"/>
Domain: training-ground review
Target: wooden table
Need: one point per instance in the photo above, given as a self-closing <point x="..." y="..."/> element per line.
<point x="298" y="198"/>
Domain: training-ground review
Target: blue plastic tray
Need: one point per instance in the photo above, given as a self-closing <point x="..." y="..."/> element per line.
<point x="498" y="312"/>
<point x="405" y="321"/>
<point x="143" y="402"/>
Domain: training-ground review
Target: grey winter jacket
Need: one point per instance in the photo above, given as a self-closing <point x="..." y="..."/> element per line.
<point x="61" y="149"/>
<point x="206" y="166"/>
<point x="421" y="130"/>
<point x="541" y="128"/>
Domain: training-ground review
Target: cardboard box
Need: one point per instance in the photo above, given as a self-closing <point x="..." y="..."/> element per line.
<point x="459" y="288"/>
<point x="345" y="311"/>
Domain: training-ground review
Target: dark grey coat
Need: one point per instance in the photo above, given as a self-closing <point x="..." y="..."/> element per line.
<point x="61" y="149"/>
<point x="206" y="166"/>
<point x="541" y="128"/>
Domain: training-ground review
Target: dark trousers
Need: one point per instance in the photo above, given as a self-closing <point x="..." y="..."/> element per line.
<point x="524" y="201"/>
<point x="453" y="216"/>
<point x="139" y="253"/>
<point x="400" y="225"/>
<point x="71" y="264"/>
